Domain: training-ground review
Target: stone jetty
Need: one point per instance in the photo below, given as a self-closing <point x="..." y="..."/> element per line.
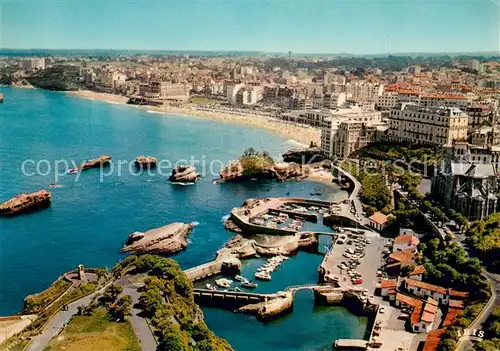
<point x="25" y="202"/>
<point x="184" y="174"/>
<point x="168" y="239"/>
<point x="146" y="161"/>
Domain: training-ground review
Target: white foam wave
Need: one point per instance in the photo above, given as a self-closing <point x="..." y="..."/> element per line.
<point x="182" y="184"/>
<point x="295" y="143"/>
<point x="156" y="112"/>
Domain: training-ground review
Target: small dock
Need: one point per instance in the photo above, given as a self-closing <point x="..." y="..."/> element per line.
<point x="351" y="344"/>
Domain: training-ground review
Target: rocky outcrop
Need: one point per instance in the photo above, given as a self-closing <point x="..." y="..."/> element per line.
<point x="93" y="163"/>
<point x="145" y="161"/>
<point x="272" y="308"/>
<point x="304" y="156"/>
<point x="164" y="240"/>
<point x="26" y="202"/>
<point x="279" y="171"/>
<point x="184" y="174"/>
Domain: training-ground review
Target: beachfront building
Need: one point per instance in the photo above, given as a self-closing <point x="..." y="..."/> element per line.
<point x="348" y="129"/>
<point x="163" y="90"/>
<point x="427" y="125"/>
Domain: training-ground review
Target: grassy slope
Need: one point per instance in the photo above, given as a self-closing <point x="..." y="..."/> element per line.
<point x="95" y="333"/>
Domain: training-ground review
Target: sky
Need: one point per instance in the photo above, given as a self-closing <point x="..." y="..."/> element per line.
<point x="302" y="26"/>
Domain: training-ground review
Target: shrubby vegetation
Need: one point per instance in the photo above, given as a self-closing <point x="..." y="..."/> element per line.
<point x="492" y="331"/>
<point x="254" y="162"/>
<point x="37" y="302"/>
<point x="448" y="264"/>
<point x="374" y="192"/>
<point x="484" y="240"/>
<point x="167" y="300"/>
<point x="60" y="77"/>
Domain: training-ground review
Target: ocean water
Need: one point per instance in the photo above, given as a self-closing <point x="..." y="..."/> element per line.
<point x="90" y="218"/>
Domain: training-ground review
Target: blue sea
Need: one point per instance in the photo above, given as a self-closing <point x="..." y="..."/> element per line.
<point x="92" y="214"/>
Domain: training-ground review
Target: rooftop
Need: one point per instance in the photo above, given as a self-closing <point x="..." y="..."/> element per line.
<point x="425" y="286"/>
<point x="379" y="218"/>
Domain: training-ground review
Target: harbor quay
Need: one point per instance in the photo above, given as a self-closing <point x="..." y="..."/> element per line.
<point x="276" y="228"/>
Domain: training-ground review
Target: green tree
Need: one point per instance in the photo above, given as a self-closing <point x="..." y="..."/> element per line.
<point x="121" y="308"/>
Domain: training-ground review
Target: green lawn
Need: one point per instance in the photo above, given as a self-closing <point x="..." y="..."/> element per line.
<point x="95" y="333"/>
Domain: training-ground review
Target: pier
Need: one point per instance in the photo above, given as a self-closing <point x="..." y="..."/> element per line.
<point x="351" y="344"/>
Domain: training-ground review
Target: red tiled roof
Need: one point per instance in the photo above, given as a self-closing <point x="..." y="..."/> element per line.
<point x="406" y="239"/>
<point x="379" y="218"/>
<point x="432" y="340"/>
<point x="388" y="283"/>
<point x="456" y="293"/>
<point x="456" y="304"/>
<point x="415" y="315"/>
<point x="425" y="286"/>
<point x="404" y="256"/>
<point x="451" y="316"/>
<point x="417" y="271"/>
<point x="443" y="96"/>
<point x="408" y="300"/>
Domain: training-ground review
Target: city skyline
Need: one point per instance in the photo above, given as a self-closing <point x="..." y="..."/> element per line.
<point x="315" y="27"/>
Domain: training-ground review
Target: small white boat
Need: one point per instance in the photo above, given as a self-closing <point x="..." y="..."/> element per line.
<point x="223" y="282"/>
<point x="249" y="285"/>
<point x="240" y="278"/>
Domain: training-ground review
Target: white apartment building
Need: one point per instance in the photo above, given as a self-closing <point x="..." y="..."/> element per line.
<point x="33" y="63"/>
<point x="232" y="91"/>
<point x="387" y="100"/>
<point x="428" y="125"/>
<point x="347" y="130"/>
<point x="364" y="91"/>
<point x="164" y="90"/>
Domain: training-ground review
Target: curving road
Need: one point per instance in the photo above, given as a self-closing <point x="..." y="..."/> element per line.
<point x="494" y="279"/>
<point x="140" y="325"/>
<point x="59" y="321"/>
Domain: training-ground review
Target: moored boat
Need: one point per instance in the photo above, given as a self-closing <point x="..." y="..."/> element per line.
<point x="249" y="285"/>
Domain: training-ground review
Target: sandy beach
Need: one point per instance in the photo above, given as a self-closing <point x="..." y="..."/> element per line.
<point x="302" y="135"/>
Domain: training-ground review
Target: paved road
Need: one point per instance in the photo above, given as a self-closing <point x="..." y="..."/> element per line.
<point x="58" y="322"/>
<point x="485" y="313"/>
<point x="141" y="327"/>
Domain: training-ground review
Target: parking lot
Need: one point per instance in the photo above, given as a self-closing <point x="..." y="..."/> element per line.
<point x="356" y="259"/>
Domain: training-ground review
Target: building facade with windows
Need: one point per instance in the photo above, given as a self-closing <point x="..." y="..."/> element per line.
<point x="427" y="125"/>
